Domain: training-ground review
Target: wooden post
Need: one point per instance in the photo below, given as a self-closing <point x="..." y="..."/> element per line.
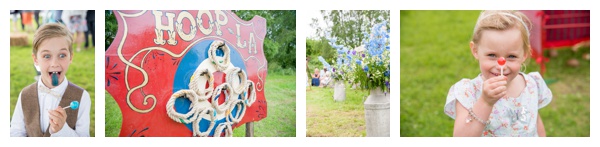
<point x="250" y="129"/>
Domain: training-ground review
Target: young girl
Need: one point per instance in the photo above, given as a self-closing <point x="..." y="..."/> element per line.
<point x="492" y="104"/>
<point x="315" y="78"/>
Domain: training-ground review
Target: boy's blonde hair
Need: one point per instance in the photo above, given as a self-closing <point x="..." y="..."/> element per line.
<point x="503" y="20"/>
<point x="51" y="30"/>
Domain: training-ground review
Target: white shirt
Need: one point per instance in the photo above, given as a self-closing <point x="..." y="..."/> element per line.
<point x="49" y="100"/>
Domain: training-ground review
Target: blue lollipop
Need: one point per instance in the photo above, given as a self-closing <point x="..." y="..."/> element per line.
<point x="54" y="78"/>
<point x="74" y="105"/>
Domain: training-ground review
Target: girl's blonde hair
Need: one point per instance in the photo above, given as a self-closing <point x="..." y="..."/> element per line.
<point x="51" y="30"/>
<point x="503" y="20"/>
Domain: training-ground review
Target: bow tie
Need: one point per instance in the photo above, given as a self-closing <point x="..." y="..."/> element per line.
<point x="49" y="91"/>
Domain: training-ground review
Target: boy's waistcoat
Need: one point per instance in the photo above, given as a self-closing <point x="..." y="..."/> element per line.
<point x="31" y="108"/>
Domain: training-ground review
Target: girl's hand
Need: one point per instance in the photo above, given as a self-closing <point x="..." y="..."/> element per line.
<point x="494" y="89"/>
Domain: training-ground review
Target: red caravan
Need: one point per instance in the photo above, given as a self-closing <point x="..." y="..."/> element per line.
<point x="156" y="54"/>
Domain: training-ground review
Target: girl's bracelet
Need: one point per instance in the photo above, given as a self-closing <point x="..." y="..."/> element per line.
<point x="473" y="116"/>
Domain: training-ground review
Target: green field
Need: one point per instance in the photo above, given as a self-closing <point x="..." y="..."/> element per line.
<point x="22" y="72"/>
<point x="328" y="118"/>
<point x="435" y="55"/>
<point x="280" y="91"/>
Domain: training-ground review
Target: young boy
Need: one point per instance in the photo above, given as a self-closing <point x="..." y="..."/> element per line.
<point x="39" y="110"/>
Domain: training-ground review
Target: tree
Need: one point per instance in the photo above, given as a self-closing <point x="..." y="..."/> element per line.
<point x="349" y="26"/>
<point x="320" y="47"/>
<point x="280" y="41"/>
<point x="110" y="28"/>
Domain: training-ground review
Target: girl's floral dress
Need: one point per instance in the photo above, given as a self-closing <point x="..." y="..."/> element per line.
<point x="510" y="116"/>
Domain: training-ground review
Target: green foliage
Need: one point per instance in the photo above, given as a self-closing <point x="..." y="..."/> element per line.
<point x="371" y="73"/>
<point x="280" y="42"/>
<point x="110" y="28"/>
<point x="320" y="47"/>
<point x="371" y="68"/>
<point x="435" y="55"/>
<point x="347" y="30"/>
<point x="348" y="26"/>
<point x="275" y="68"/>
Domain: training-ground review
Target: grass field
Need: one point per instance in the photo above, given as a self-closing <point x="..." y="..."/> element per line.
<point x="281" y="120"/>
<point x="22" y="72"/>
<point x="435" y="55"/>
<point x="327" y="118"/>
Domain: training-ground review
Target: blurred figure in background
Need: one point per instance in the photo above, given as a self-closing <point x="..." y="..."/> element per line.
<point x="75" y="21"/>
<point x="36" y="17"/>
<point x="315" y="78"/>
<point x="26" y="18"/>
<point x="52" y="16"/>
<point x="57" y="15"/>
<point x="325" y="77"/>
<point x="15" y="19"/>
<point x="91" y="25"/>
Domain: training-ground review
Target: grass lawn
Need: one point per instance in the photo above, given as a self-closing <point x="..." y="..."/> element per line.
<point x="435" y="55"/>
<point x="22" y="72"/>
<point x="280" y="122"/>
<point x="327" y="118"/>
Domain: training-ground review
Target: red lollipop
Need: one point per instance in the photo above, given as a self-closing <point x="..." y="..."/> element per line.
<point x="501" y="62"/>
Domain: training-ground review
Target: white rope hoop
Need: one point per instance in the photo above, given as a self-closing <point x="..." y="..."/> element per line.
<point x="241" y="76"/>
<point x="224" y="126"/>
<point x="217" y="94"/>
<point x="239" y="114"/>
<point x="205" y="100"/>
<point x="211" y="113"/>
<point x="178" y="117"/>
<point x="198" y="83"/>
<point x="221" y="63"/>
<point x="249" y="99"/>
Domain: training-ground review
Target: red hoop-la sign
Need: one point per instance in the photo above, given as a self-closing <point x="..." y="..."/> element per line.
<point x="187" y="73"/>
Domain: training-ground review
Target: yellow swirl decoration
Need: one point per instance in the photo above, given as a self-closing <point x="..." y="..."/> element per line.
<point x="259" y="86"/>
<point x="129" y="63"/>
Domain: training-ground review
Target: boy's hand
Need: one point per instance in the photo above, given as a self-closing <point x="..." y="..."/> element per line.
<point x="58" y="117"/>
<point x="494" y="89"/>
